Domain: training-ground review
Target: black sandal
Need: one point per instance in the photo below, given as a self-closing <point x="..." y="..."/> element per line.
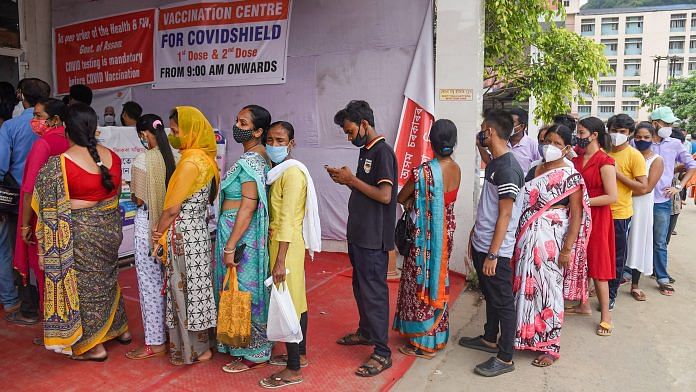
<point x="367" y="370"/>
<point x="354" y="339"/>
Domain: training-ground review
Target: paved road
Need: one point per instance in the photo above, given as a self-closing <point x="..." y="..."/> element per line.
<point x="652" y="348"/>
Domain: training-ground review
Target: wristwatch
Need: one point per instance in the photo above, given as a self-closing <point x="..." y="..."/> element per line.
<point x="492" y="256"/>
<point x="678" y="186"/>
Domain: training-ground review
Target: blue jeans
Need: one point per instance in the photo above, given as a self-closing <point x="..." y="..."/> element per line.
<point x="661" y="216"/>
<point x="8" y="291"/>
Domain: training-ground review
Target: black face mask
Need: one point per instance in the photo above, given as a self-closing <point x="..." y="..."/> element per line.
<point x="359" y="141"/>
<point x="481" y="138"/>
<point x="242" y="135"/>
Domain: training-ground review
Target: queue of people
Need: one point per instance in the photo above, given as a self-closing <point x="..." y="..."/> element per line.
<point x="585" y="200"/>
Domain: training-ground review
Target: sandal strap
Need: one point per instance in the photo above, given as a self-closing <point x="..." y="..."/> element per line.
<point x="382" y="360"/>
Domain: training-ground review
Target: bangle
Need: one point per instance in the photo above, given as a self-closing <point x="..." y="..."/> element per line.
<point x="26" y="227"/>
<point x="227" y="251"/>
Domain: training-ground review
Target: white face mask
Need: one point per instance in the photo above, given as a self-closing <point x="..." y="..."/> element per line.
<point x="664" y="132"/>
<point x="551" y="153"/>
<point x="109" y="119"/>
<point x="618" y="139"/>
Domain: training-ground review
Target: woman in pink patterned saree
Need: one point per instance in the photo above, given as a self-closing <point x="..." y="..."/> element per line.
<point x="549" y="261"/>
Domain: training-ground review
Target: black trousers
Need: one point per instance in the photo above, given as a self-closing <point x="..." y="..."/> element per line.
<point x="371" y="295"/>
<point x="297" y="349"/>
<point x="500" y="305"/>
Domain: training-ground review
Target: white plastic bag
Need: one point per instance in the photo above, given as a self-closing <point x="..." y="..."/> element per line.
<point x="283" y="324"/>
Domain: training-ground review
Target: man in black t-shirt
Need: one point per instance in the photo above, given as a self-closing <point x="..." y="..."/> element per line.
<point x="371" y="222"/>
<point x="493" y="243"/>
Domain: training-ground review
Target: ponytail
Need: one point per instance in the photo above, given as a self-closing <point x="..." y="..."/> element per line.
<point x="81" y="128"/>
<point x="153" y="124"/>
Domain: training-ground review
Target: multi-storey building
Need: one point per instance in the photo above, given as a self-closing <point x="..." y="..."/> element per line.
<point x="633" y="39"/>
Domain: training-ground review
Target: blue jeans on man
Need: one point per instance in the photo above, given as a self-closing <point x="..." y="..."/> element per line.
<point x="661" y="216"/>
<point x="9" y="296"/>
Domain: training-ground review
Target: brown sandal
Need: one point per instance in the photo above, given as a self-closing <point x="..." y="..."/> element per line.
<point x="148" y="353"/>
<point x="638" y="295"/>
<point x="412" y="351"/>
<point x="354" y="339"/>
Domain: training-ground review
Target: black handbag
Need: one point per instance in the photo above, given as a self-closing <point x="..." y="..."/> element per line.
<point x="9" y="195"/>
<point x="403" y="234"/>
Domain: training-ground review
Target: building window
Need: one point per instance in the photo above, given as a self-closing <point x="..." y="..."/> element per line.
<point x="634" y="25"/>
<point x="676" y="68"/>
<point x="676" y="44"/>
<point x="692" y="44"/>
<point x="584" y="110"/>
<point x="633" y="46"/>
<point x="611" y="47"/>
<point x="612" y="66"/>
<point x="693" y="21"/>
<point x="630" y="108"/>
<point x="566" y="3"/>
<point x="631" y="67"/>
<point x="605" y="109"/>
<point x="610" y="26"/>
<point x="628" y="86"/>
<point x="607" y="88"/>
<point x="692" y="65"/>
<point x="587" y="27"/>
<point x="677" y="23"/>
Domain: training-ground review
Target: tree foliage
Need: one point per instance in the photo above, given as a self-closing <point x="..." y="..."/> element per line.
<point x="598" y="4"/>
<point x="558" y="63"/>
<point x="680" y="95"/>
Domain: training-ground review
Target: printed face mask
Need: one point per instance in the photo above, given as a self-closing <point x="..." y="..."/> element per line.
<point x="359" y="141"/>
<point x="583" y="142"/>
<point x="664" y="132"/>
<point x="39" y="126"/>
<point x="551" y="153"/>
<point x="277" y="153"/>
<point x="174" y="141"/>
<point x="241" y="135"/>
<point x="618" y="139"/>
<point x="643" y="145"/>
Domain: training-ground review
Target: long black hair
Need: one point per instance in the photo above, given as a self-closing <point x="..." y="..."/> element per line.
<point x="81" y="128"/>
<point x="593" y="124"/>
<point x="153" y="124"/>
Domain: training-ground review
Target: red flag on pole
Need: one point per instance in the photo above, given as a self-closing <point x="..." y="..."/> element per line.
<point x="412" y="145"/>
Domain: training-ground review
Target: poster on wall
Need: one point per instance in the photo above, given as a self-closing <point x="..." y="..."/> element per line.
<point x="102" y="53"/>
<point x="236" y="43"/>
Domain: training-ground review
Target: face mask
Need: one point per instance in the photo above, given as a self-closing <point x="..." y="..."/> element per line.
<point x="618" y="139"/>
<point x="583" y="142"/>
<point x="109" y="119"/>
<point x="664" y="132"/>
<point x="642" y="145"/>
<point x="174" y="141"/>
<point x="277" y="153"/>
<point x="145" y="143"/>
<point x="39" y="126"/>
<point x="359" y="141"/>
<point x="242" y="135"/>
<point x="551" y="153"/>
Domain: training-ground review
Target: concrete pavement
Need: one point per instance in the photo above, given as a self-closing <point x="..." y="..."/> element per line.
<point x="652" y="347"/>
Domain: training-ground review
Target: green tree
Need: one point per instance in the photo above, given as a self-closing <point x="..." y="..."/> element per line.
<point x="680" y="95"/>
<point x="560" y="63"/>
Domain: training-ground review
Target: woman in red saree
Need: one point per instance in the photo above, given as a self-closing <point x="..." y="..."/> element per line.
<point x="550" y="258"/>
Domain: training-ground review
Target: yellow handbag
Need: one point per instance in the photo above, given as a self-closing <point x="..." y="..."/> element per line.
<point x="234" y="314"/>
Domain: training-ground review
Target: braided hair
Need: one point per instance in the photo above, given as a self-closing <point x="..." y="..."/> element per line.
<point x="81" y="128"/>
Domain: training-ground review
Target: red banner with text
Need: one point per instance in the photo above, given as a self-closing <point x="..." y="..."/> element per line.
<point x="115" y="51"/>
<point x="412" y="145"/>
